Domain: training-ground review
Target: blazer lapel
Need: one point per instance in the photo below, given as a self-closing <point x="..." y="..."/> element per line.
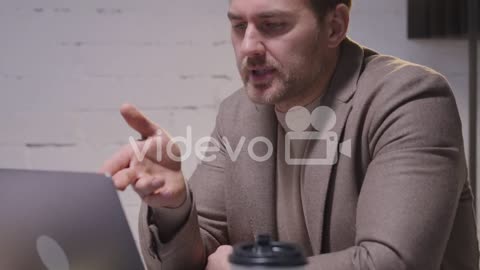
<point x="317" y="177"/>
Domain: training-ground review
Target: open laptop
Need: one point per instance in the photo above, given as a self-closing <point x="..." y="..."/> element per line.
<point x="63" y="221"/>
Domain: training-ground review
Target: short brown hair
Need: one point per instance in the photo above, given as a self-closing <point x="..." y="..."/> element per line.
<point x="321" y="7"/>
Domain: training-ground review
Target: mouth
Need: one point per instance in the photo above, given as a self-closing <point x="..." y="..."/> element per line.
<point x="261" y="75"/>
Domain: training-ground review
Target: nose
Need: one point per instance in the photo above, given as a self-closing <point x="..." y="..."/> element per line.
<point x="252" y="44"/>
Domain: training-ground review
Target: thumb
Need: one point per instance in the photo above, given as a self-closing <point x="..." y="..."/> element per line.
<point x="138" y="121"/>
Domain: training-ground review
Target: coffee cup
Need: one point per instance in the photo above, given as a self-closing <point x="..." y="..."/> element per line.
<point x="266" y="254"/>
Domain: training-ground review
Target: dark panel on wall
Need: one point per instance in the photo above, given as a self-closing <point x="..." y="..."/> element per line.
<point x="438" y="18"/>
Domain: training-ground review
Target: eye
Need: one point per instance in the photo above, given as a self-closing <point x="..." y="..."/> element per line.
<point x="274" y="26"/>
<point x="239" y="26"/>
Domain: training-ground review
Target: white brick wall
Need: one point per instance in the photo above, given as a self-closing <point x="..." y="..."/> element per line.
<point x="67" y="66"/>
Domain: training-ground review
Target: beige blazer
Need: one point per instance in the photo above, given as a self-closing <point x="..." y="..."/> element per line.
<point x="401" y="201"/>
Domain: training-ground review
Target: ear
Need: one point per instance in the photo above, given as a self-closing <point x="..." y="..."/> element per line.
<point x="337" y="21"/>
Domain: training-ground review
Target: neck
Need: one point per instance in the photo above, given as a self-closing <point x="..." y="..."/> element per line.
<point x="318" y="89"/>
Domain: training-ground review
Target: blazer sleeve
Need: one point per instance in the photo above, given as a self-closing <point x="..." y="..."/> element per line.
<point x="204" y="230"/>
<point x="413" y="184"/>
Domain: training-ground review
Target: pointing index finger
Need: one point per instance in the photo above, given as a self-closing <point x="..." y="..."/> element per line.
<point x="138" y="121"/>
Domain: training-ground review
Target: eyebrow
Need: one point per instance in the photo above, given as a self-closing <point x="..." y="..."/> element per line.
<point x="233" y="16"/>
<point x="262" y="15"/>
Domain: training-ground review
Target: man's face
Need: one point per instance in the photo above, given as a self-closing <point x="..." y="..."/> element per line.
<point x="280" y="48"/>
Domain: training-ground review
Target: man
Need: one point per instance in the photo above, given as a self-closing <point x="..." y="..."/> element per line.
<point x="399" y="199"/>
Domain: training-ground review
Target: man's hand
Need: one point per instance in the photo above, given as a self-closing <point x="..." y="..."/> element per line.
<point x="157" y="178"/>
<point x="219" y="259"/>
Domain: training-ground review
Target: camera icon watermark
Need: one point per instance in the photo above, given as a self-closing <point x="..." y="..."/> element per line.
<point x="322" y="120"/>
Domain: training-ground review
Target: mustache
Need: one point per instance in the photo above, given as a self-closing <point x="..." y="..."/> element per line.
<point x="253" y="62"/>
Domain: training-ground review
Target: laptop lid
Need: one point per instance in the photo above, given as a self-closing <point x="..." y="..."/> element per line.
<point x="63" y="221"/>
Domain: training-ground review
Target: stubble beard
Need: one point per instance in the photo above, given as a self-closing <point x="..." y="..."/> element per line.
<point x="277" y="90"/>
<point x="288" y="84"/>
<point x="285" y="86"/>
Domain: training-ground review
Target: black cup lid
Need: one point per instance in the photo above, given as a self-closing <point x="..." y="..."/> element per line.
<point x="265" y="252"/>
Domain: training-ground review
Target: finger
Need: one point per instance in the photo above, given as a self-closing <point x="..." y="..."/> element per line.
<point x="138" y="121"/>
<point x="146" y="149"/>
<point x="147" y="185"/>
<point x="158" y="196"/>
<point x="225" y="249"/>
<point x="120" y="160"/>
<point x="124" y="177"/>
<point x="219" y="259"/>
